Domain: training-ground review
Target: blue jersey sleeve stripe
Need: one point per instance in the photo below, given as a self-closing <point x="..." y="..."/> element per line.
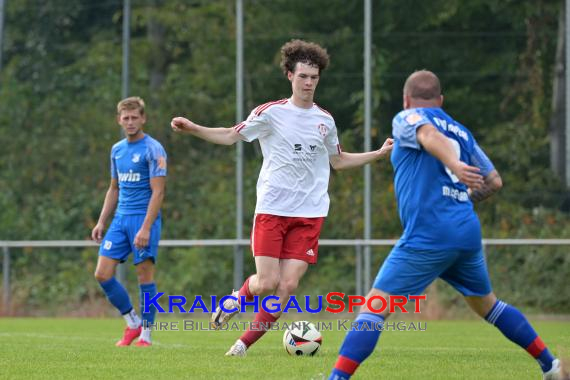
<point x="112" y="166"/>
<point x="156" y="156"/>
<point x="480" y="159"/>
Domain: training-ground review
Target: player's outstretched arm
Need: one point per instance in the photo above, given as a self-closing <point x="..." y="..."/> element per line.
<point x="492" y="184"/>
<point x="222" y="136"/>
<point x="111" y="198"/>
<point x="346" y="160"/>
<point x="441" y="148"/>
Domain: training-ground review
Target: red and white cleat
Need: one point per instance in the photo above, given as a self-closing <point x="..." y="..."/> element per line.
<point x="128" y="336"/>
<point x="143" y="343"/>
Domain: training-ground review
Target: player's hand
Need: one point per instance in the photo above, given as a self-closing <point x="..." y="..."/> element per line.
<point x="468" y="175"/>
<point x="386" y="148"/>
<point x="97" y="233"/>
<point x="142" y="238"/>
<point x="182" y="125"/>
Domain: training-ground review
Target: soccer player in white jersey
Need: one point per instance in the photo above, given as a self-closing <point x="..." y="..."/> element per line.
<point x="136" y="191"/>
<point x="299" y="142"/>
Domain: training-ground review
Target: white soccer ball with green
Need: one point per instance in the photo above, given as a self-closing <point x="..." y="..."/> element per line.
<point x="302" y="339"/>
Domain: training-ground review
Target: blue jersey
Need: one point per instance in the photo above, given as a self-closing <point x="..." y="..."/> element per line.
<point x="133" y="165"/>
<point x="434" y="207"/>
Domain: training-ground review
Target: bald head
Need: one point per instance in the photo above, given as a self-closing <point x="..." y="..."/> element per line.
<point x="422" y="89"/>
<point x="422" y="84"/>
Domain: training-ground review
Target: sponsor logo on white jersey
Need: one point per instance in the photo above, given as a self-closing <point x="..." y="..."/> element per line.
<point x="322" y="129"/>
<point x="129" y="177"/>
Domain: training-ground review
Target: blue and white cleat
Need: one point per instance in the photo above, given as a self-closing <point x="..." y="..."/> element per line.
<point x="557" y="372"/>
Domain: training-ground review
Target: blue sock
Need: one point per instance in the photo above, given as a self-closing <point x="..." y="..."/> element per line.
<point x="514" y="325"/>
<point x="358" y="345"/>
<point x="150" y="288"/>
<point x="117" y="295"/>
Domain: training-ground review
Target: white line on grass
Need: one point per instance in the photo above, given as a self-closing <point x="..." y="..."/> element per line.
<point x="81" y="338"/>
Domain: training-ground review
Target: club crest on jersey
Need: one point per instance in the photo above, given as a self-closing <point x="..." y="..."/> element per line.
<point x="322" y="129"/>
<point x="162" y="162"/>
<point x="136" y="157"/>
<point x="413" y="118"/>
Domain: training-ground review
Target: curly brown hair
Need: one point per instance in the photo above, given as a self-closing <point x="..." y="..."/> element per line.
<point x="305" y="52"/>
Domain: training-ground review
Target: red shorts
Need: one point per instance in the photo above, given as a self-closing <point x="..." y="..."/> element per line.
<point x="286" y="237"/>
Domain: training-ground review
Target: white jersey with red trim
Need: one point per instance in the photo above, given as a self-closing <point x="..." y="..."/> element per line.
<point x="296" y="144"/>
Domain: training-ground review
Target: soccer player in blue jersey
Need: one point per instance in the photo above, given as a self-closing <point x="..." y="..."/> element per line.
<point x="440" y="170"/>
<point x="138" y="175"/>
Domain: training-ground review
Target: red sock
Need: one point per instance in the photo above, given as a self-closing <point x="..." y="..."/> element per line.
<point x="244" y="291"/>
<point x="346" y="365"/>
<point x="262" y="322"/>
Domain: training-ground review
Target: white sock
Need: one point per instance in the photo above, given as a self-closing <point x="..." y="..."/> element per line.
<point x="145" y="335"/>
<point x="132" y="319"/>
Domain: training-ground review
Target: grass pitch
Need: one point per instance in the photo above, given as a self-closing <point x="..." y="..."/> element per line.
<point x="84" y="349"/>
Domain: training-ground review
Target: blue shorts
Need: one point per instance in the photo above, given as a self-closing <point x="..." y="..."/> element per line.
<point x="408" y="272"/>
<point x="119" y="239"/>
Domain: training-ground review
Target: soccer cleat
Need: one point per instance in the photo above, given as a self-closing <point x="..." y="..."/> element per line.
<point x="238" y="349"/>
<point x="219" y="317"/>
<point x="143" y="343"/>
<point x="557" y="372"/>
<point x="128" y="336"/>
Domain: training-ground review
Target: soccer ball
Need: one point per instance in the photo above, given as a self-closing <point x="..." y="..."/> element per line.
<point x="302" y="338"/>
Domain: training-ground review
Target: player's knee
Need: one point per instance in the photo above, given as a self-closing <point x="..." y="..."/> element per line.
<point x="145" y="272"/>
<point x="145" y="277"/>
<point x="288" y="285"/>
<point x="482" y="305"/>
<point x="102" y="276"/>
<point x="267" y="284"/>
